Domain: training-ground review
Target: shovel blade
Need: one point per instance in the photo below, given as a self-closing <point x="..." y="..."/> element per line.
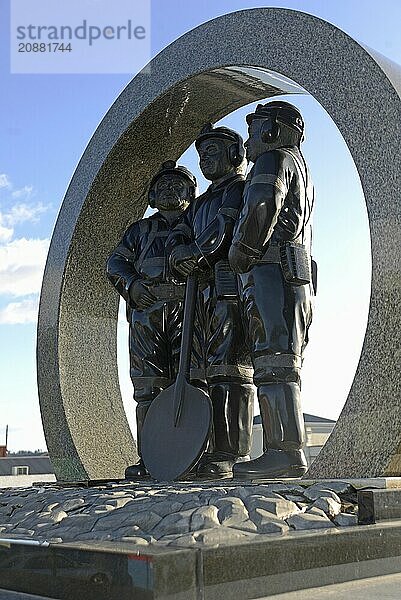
<point x="170" y="450"/>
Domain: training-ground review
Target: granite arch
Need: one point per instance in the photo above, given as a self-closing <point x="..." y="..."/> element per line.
<point x="157" y="116"/>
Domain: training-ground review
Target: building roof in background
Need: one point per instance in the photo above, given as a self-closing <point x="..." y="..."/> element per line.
<point x="315" y="419"/>
<point x="38" y="465"/>
<point x="257" y="420"/>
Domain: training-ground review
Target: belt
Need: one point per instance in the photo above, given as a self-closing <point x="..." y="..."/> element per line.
<point x="271" y="256"/>
<point x="155" y="261"/>
<point x="274" y="253"/>
<point x="168" y="291"/>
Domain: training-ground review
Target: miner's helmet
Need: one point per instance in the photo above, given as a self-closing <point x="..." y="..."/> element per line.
<point x="171" y="167"/>
<point x="279" y="112"/>
<point x="236" y="149"/>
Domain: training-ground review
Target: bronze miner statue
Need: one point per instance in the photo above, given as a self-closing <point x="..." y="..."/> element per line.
<point x="139" y="269"/>
<point x="271" y="252"/>
<point x="244" y="249"/>
<point x="219" y="327"/>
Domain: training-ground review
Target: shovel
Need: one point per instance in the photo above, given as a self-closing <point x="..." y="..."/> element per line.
<point x="177" y="426"/>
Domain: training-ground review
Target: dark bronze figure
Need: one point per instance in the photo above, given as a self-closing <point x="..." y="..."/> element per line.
<point x="139" y="270"/>
<point x="271" y="250"/>
<point x="219" y="329"/>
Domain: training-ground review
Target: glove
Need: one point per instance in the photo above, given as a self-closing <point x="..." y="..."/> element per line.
<point x="140" y="295"/>
<point x="184" y="259"/>
<point x="239" y="261"/>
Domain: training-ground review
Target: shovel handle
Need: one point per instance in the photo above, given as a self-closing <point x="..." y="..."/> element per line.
<point x="186" y="344"/>
<point x="179" y="396"/>
<point x="188" y="327"/>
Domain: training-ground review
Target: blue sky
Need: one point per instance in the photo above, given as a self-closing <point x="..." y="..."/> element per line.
<point x="46" y="122"/>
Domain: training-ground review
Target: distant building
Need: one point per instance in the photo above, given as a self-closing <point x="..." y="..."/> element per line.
<point x="317" y="431"/>
<point x="21" y="471"/>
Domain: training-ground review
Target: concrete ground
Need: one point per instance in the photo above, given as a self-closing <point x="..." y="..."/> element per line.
<point x="386" y="587"/>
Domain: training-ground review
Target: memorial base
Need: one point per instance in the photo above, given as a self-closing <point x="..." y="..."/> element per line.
<point x="192" y="540"/>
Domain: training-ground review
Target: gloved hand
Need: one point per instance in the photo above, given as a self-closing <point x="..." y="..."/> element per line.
<point x="239" y="261"/>
<point x="184" y="259"/>
<point x="140" y="294"/>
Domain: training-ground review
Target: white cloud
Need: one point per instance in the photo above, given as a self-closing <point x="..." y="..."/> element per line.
<point x="22" y="260"/>
<point x="21" y="266"/>
<point x="6" y="233"/>
<point x="22" y="312"/>
<point x="4" y="181"/>
<point x="26" y="192"/>
<point x="22" y="212"/>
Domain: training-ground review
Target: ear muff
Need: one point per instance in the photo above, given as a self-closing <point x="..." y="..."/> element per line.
<point x="151" y="197"/>
<point x="269" y="131"/>
<point x="236" y="154"/>
<point x="192" y="191"/>
<point x="191" y="194"/>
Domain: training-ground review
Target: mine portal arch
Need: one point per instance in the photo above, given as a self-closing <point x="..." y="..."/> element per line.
<point x="202" y="76"/>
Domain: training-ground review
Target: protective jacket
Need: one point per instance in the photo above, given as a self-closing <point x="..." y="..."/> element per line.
<point x="274" y="232"/>
<point x="219" y="329"/>
<point x="155" y="332"/>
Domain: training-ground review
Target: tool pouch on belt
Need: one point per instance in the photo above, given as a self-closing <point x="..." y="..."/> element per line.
<point x="295" y="263"/>
<point x="226" y="280"/>
<point x="168" y="291"/>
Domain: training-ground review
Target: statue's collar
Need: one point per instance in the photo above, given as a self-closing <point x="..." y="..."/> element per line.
<point x="171" y="219"/>
<point x="223" y="181"/>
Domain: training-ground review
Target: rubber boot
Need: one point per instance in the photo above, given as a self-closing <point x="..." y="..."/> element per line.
<point x="138" y="471"/>
<point x="232" y="404"/>
<point x="283" y="429"/>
